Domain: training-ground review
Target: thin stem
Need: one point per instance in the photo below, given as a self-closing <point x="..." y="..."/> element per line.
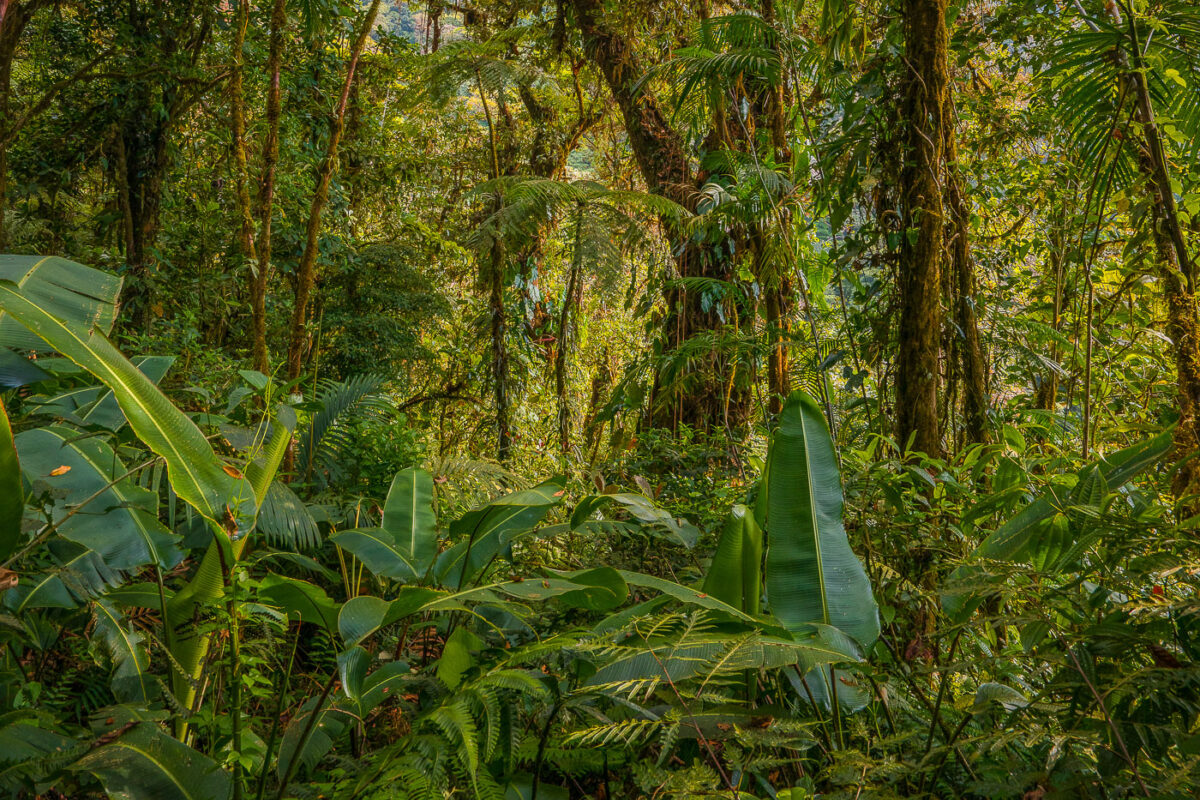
<point x="276" y="719"/>
<point x="305" y="735"/>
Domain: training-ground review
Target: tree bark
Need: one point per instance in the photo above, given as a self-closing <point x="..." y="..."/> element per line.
<point x="306" y="269"/>
<point x="779" y="380"/>
<point x="1176" y="273"/>
<point x="14" y="16"/>
<point x="706" y="394"/>
<point x="237" y="120"/>
<point x="966" y="294"/>
<point x="922" y="218"/>
<point x="266" y="194"/>
<point x="566" y="338"/>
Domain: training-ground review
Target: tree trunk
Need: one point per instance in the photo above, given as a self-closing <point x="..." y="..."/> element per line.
<point x="922" y="219"/>
<point x="779" y="381"/>
<point x="266" y="193"/>
<point x="970" y="351"/>
<point x="499" y="330"/>
<point x="237" y="119"/>
<point x="1047" y="392"/>
<point x="1176" y="276"/>
<point x="566" y="338"/>
<point x="306" y="270"/>
<point x="1176" y="273"/>
<point x="14" y="16"/>
<point x="705" y="393"/>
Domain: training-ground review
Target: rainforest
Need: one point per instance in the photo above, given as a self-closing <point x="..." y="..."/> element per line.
<point x="599" y="399"/>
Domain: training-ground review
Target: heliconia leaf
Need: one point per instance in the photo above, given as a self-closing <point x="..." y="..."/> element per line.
<point x="106" y="413"/>
<point x="812" y="575"/>
<point x="16" y="371"/>
<point x="735" y="575"/>
<point x="131" y="681"/>
<point x="12" y="498"/>
<point x="76" y="294"/>
<point x="196" y="473"/>
<point x="378" y="552"/>
<point x="488" y="530"/>
<point x="81" y="575"/>
<point x="300" y="600"/>
<point x="144" y="763"/>
<point x="119" y="521"/>
<point x="408" y="518"/>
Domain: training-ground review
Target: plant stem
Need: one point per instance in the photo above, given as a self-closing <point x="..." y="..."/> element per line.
<point x="275" y="723"/>
<point x="304" y="737"/>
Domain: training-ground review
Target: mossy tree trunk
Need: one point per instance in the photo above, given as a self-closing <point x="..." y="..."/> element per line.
<point x="922" y="218"/>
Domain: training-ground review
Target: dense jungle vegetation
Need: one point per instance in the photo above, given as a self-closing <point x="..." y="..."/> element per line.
<point x="547" y="399"/>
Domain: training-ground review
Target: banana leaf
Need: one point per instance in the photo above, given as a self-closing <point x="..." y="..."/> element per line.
<point x="196" y="474"/>
<point x="144" y="763"/>
<point x="119" y="520"/>
<point x="12" y="498"/>
<point x="812" y="575"/>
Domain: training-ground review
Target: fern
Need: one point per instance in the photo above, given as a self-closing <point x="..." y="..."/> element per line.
<point x="321" y="443"/>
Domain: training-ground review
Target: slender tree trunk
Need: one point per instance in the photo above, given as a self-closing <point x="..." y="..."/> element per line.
<point x="566" y="338"/>
<point x="499" y="330"/>
<point x="14" y="16"/>
<point x="779" y="381"/>
<point x="966" y="294"/>
<point x="306" y="269"/>
<point x="266" y="193"/>
<point x="1176" y="273"/>
<point x="237" y="119"/>
<point x="922" y="219"/>
<point x="10" y="32"/>
<point x="1047" y="391"/>
<point x="499" y="318"/>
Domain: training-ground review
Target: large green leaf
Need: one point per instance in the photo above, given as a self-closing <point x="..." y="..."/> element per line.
<point x="97" y="405"/>
<point x="119" y="519"/>
<point x="80" y="576"/>
<point x="12" y="499"/>
<point x="16" y="371"/>
<point x="378" y="552"/>
<point x="735" y="575"/>
<point x="145" y="763"/>
<point x="107" y="411"/>
<point x="69" y="291"/>
<point x="408" y="517"/>
<point x="196" y="474"/>
<point x="812" y="574"/>
<point x="300" y="600"/>
<point x="131" y="681"/>
<point x="405" y="546"/>
<point x="486" y="531"/>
